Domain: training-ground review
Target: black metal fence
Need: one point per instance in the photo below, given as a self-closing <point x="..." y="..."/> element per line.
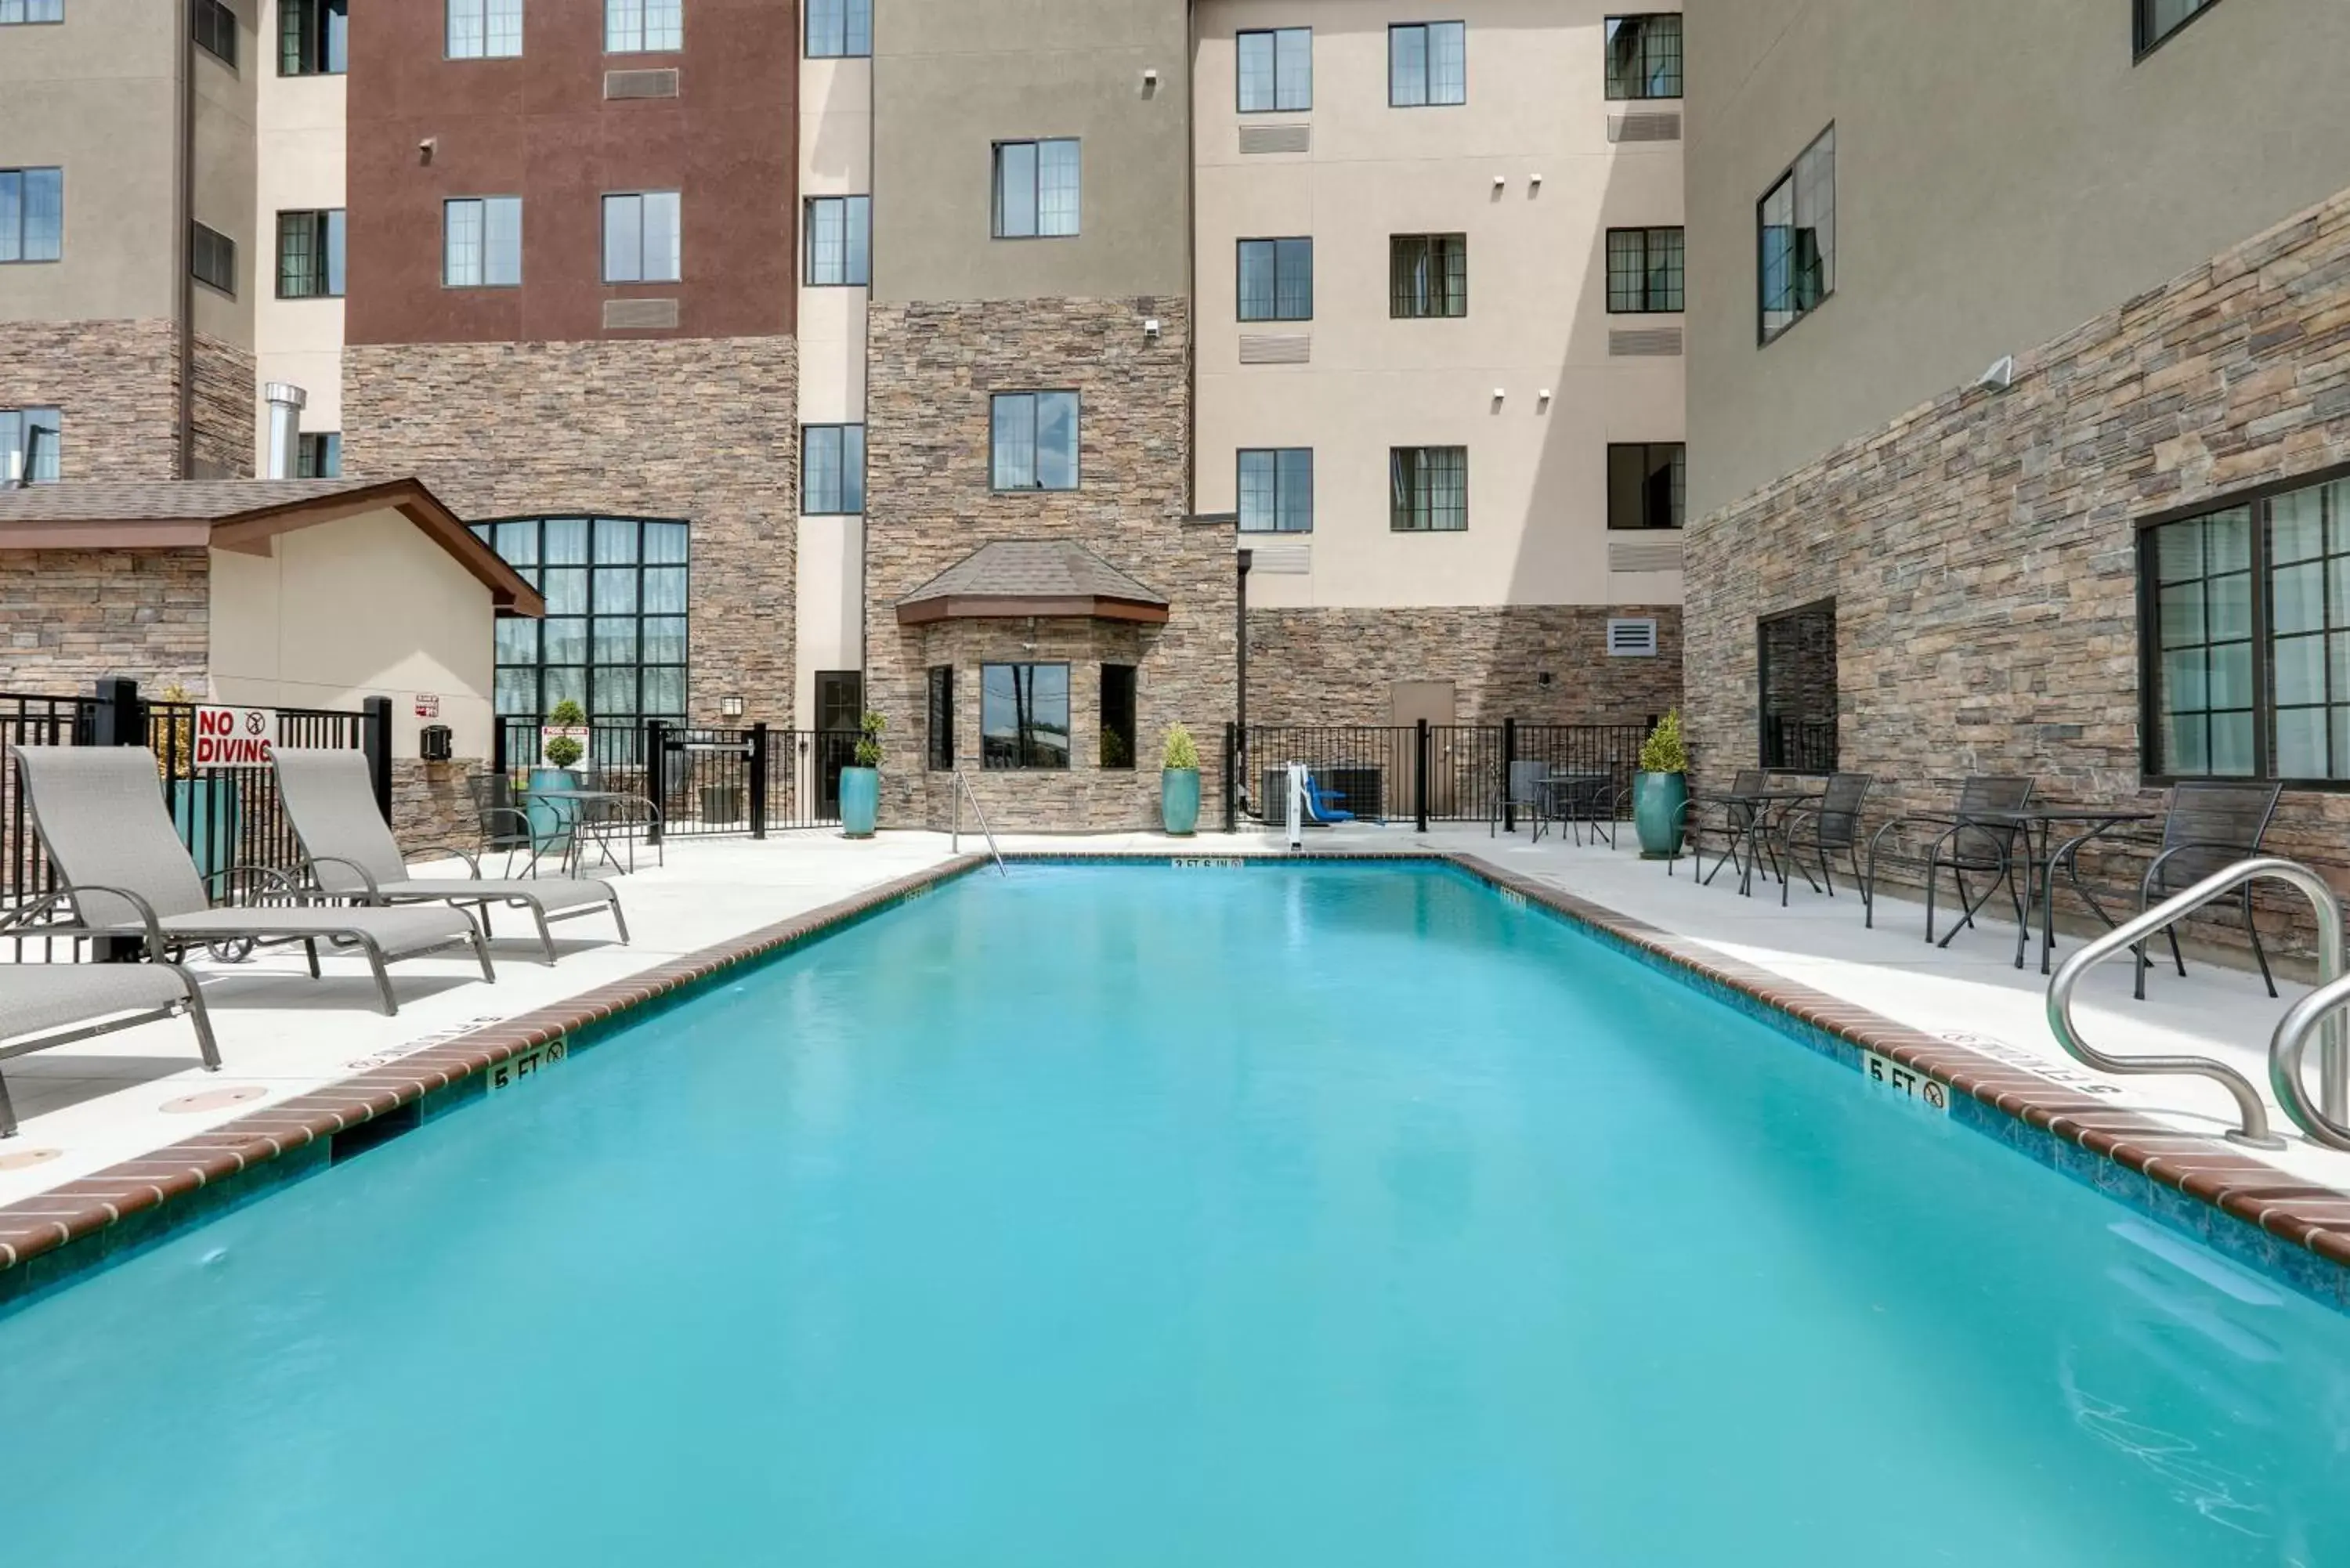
<point x="1418" y="772"/>
<point x="710" y="782"/>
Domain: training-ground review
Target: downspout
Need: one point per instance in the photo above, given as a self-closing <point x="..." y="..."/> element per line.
<point x="183" y="216"/>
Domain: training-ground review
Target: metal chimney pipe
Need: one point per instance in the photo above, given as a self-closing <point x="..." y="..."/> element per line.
<point x="285" y="403"/>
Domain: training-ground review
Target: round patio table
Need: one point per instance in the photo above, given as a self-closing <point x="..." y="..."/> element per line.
<point x="2038" y="824"/>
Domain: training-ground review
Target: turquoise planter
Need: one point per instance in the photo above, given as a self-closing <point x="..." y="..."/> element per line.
<point x="209" y="816"/>
<point x="1656" y="802"/>
<point x="1179" y="800"/>
<point x="860" y="801"/>
<point x="551" y="820"/>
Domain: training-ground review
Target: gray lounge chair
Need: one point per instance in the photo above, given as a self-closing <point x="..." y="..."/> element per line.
<point x="352" y="854"/>
<point x="45" y="1004"/>
<point x="98" y="811"/>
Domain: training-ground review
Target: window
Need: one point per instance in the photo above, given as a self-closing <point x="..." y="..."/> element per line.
<point x="212" y="259"/>
<point x="840" y="240"/>
<point x="614" y="638"/>
<point x="1276" y="70"/>
<point x="216" y="30"/>
<point x="1429" y="487"/>
<point x="1035" y="189"/>
<point x="39" y="429"/>
<point x="484" y="29"/>
<point x="1646" y="481"/>
<point x="313" y="37"/>
<point x="832" y="469"/>
<point x="482" y="242"/>
<point x="1428" y="63"/>
<point x="2157" y="19"/>
<point x="1277" y="280"/>
<point x="641" y="239"/>
<point x="1795" y="669"/>
<point x="1644" y="56"/>
<point x="320" y="455"/>
<point x="1644" y="270"/>
<point x="2245" y="623"/>
<point x="1276" y="490"/>
<point x="32" y="214"/>
<point x="643" y="27"/>
<point x="939" y="707"/>
<point x="1033" y="436"/>
<point x="1118" y="716"/>
<point x="310" y="254"/>
<point x="1795" y="239"/>
<point x="1024" y="716"/>
<point x="15" y="11"/>
<point x="839" y="28"/>
<point x="1428" y="274"/>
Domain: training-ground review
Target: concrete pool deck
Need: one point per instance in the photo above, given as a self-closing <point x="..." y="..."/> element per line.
<point x="95" y="1106"/>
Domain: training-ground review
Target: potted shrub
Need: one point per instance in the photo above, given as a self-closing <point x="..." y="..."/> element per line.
<point x="1661" y="789"/>
<point x="206" y="808"/>
<point x="860" y="783"/>
<point x="1179" y="783"/>
<point x="560" y="749"/>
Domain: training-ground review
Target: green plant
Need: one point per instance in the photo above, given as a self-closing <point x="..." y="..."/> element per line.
<point x="1114" y="751"/>
<point x="868" y="740"/>
<point x="564" y="750"/>
<point x="1180" y="750"/>
<point x="1664" y="751"/>
<point x="568" y="713"/>
<point x="178" y="738"/>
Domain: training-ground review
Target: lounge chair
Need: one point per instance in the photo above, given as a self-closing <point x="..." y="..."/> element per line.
<point x="45" y="1004"/>
<point x="329" y="800"/>
<point x="99" y="813"/>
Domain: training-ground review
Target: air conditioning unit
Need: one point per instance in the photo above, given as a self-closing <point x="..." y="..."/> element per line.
<point x="1629" y="639"/>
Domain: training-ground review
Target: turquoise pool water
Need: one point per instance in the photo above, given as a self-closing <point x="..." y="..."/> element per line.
<point x="1102" y="1217"/>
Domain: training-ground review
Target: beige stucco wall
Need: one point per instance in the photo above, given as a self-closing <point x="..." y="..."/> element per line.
<point x="299" y="143"/>
<point x="1536" y="321"/>
<point x="2004" y="172"/>
<point x="952" y="79"/>
<point x="364" y="607"/>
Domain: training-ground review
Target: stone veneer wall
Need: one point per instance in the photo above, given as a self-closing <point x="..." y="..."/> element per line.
<point x="113" y="385"/>
<point x="1981" y="549"/>
<point x="225" y="414"/>
<point x="1336" y="666"/>
<point x="68" y="618"/>
<point x="701" y="429"/>
<point x="430" y="804"/>
<point x="931" y="370"/>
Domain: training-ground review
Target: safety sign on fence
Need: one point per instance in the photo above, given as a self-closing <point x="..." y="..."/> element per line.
<point x="234" y="737"/>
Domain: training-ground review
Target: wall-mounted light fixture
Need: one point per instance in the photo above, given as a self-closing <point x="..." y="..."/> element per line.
<point x="1150" y="327"/>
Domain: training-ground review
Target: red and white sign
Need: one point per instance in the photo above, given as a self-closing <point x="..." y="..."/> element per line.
<point x="428" y="704"/>
<point x="233" y="738"/>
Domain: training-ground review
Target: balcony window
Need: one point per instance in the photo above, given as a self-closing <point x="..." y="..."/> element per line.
<point x="839" y="241"/>
<point x="1644" y="270"/>
<point x="1034" y="437"/>
<point x="1795" y="238"/>
<point x="1036" y="189"/>
<point x="832" y="469"/>
<point x="313" y="37"/>
<point x="32" y="214"/>
<point x="1276" y="70"/>
<point x="484" y="29"/>
<point x="839" y="28"/>
<point x="1427" y="64"/>
<point x="1276" y="490"/>
<point x="482" y="242"/>
<point x="1430" y="489"/>
<point x="1024" y="716"/>
<point x="1644" y="56"/>
<point x="1277" y="280"/>
<point x="38" y="430"/>
<point x="640" y="238"/>
<point x="643" y="27"/>
<point x="1428" y="274"/>
<point x="310" y="254"/>
<point x="1646" y="482"/>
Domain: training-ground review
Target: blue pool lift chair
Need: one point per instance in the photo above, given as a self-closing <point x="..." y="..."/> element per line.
<point x="1321" y="807"/>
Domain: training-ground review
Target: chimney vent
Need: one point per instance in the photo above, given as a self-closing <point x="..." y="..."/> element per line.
<point x="285" y="432"/>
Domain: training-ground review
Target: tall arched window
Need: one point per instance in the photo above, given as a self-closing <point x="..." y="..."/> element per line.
<point x="614" y="638"/>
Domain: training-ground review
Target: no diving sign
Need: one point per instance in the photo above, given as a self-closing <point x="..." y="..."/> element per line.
<point x="232" y="738"/>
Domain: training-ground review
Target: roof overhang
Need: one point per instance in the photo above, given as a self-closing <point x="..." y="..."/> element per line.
<point x="975" y="607"/>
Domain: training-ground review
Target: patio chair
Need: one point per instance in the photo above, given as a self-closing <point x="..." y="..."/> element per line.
<point x="1963" y="840"/>
<point x="1731" y="816"/>
<point x="1830" y="827"/>
<point x="330" y="800"/>
<point x="99" y="813"/>
<point x="45" y="1004"/>
<point x="1522" y="793"/>
<point x="500" y="826"/>
<point x="2211" y="825"/>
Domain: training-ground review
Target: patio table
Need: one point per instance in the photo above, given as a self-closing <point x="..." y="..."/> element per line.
<point x="2038" y="824"/>
<point x="1561" y="793"/>
<point x="1779" y="797"/>
<point x="593" y="811"/>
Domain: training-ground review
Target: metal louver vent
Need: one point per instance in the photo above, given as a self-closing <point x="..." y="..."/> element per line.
<point x="641" y="83"/>
<point x="1277" y="348"/>
<point x="1644" y="554"/>
<point x="1648" y="125"/>
<point x="640" y="313"/>
<point x="1297" y="138"/>
<point x="1631" y="640"/>
<point x="1282" y="560"/>
<point x="1645" y="340"/>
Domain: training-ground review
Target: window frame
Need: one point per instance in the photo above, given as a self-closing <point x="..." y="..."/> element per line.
<point x="644" y="27"/>
<point x="1240" y="103"/>
<point x="1077" y="430"/>
<point x="1239" y="488"/>
<point x="1647" y="305"/>
<point x="1764" y="333"/>
<point x="482" y="202"/>
<point x="55" y="451"/>
<point x="588" y="665"/>
<point x="604" y="235"/>
<point x="939" y="718"/>
<point x="1240" y="276"/>
<point x="1115" y="674"/>
<point x="25" y="19"/>
<point x="293" y="37"/>
<point x="2144" y="40"/>
<point x="1428" y="244"/>
<point x="24" y="179"/>
<point x="198" y="230"/>
<point x="863" y="210"/>
<point x="1680" y="74"/>
<point x="839" y="431"/>
<point x="1763" y="624"/>
<point x="1022" y="742"/>
<point x="1420" y="456"/>
<point x="330" y="253"/>
<point x="204" y="28"/>
<point x="1679" y="486"/>
<point x="1426" y="55"/>
<point x="449" y="30"/>
<point x="328" y="447"/>
<point x="1036" y="194"/>
<point x="849" y="9"/>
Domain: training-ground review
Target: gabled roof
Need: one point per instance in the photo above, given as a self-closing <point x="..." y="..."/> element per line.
<point x="1032" y="578"/>
<point x="241" y="515"/>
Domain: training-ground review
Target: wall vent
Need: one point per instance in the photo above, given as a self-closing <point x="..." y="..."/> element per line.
<point x="640" y="313"/>
<point x="641" y="83"/>
<point x="1631" y="640"/>
<point x="1645" y="340"/>
<point x="1647" y="125"/>
<point x="1280" y="560"/>
<point x="1277" y="348"/>
<point x="1297" y="138"/>
<point x="1644" y="554"/>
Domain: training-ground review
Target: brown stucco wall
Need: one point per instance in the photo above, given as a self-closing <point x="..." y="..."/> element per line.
<point x="538" y="126"/>
<point x="68" y="618"/>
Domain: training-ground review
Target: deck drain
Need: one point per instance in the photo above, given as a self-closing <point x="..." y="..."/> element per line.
<point x="211" y="1100"/>
<point x="25" y="1159"/>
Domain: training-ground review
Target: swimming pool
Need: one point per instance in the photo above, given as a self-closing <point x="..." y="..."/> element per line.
<point x="1298" y="1215"/>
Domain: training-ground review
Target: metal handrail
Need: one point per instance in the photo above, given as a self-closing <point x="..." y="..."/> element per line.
<point x="962" y="792"/>
<point x="2327" y="1121"/>
<point x="2134" y="933"/>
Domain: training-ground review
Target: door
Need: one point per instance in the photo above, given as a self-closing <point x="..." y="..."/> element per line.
<point x="1408" y="703"/>
<point x="1796" y="651"/>
<point x="839" y="710"/>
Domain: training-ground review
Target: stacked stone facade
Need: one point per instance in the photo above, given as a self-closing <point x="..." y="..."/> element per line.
<point x="1982" y="550"/>
<point x="68" y="618"/>
<point x="431" y="804"/>
<point x="223" y="418"/>
<point x="931" y="370"/>
<point x="699" y="428"/>
<point x="114" y="385"/>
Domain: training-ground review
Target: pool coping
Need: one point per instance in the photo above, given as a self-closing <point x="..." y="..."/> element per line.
<point x="54" y="1237"/>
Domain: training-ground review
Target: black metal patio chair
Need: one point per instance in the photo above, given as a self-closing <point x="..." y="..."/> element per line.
<point x="1830" y="827"/>
<point x="1966" y="838"/>
<point x="1730" y="816"/>
<point x="2211" y="825"/>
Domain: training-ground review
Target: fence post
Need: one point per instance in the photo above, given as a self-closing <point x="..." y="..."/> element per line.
<point x="376" y="737"/>
<point x="116" y="722"/>
<point x="1232" y="770"/>
<point x="656" y="776"/>
<point x="1509" y="781"/>
<point x="1419" y="777"/>
<point x="759" y="779"/>
<point x="498" y="743"/>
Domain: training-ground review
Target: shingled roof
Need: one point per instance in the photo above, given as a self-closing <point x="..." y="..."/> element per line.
<point x="1032" y="578"/>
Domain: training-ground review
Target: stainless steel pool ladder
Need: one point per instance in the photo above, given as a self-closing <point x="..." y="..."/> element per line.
<point x="955" y="837"/>
<point x="2327" y="1121"/>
